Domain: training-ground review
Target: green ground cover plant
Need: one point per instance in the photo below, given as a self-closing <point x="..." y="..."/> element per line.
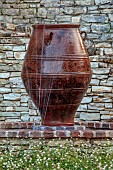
<point x="67" y="156"/>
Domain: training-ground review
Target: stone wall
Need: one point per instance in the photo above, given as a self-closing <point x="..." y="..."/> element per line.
<point x="16" y="18"/>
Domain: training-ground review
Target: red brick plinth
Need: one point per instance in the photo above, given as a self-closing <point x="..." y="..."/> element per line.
<point x="24" y="130"/>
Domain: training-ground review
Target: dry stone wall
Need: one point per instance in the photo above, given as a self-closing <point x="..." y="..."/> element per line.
<point x="16" y="18"/>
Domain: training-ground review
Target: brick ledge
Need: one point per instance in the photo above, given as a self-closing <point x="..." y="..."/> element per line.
<point x="24" y="130"/>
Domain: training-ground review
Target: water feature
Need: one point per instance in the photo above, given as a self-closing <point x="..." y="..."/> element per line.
<point x="56" y="72"/>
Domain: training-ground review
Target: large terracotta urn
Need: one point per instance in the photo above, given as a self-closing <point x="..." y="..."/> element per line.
<point x="56" y="72"/>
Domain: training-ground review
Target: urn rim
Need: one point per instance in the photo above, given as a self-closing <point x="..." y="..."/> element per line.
<point x="42" y="26"/>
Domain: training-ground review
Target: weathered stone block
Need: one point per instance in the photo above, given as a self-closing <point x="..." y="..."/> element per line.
<point x="88" y="116"/>
<point x="111" y="17"/>
<point x="101" y="89"/>
<point x="98" y="2"/>
<point x="63" y="18"/>
<point x="75" y="10"/>
<point x="10" y="103"/>
<point x="19" y="55"/>
<point x="108" y="105"/>
<point x="67" y="3"/>
<point x="12" y="96"/>
<point x="101" y="71"/>
<point x="94" y="64"/>
<point x="24" y="98"/>
<point x="42" y="12"/>
<point x="94" y="106"/>
<point x="82" y="107"/>
<point x="29" y="12"/>
<point x="10" y="114"/>
<point x="102" y="45"/>
<point x="50" y="3"/>
<point x="95" y="18"/>
<point x="100" y="28"/>
<point x="4" y="90"/>
<point x="32" y="112"/>
<point x="52" y="12"/>
<point x="102" y="99"/>
<point x="108" y="51"/>
<point x="4" y="75"/>
<point x="104" y="112"/>
<point x="86" y="100"/>
<point x="16" y="82"/>
<point x="105" y="117"/>
<point x="94" y="82"/>
<point x="86" y="2"/>
<point x="76" y="19"/>
<point x="10" y="11"/>
<point x="18" y="48"/>
<point x="25" y="116"/>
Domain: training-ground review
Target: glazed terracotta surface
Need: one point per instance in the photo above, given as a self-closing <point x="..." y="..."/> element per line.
<point x="56" y="72"/>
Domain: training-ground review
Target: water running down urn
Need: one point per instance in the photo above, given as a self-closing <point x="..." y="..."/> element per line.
<point x="56" y="72"/>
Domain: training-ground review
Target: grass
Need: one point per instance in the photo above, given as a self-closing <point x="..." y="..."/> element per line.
<point x="65" y="156"/>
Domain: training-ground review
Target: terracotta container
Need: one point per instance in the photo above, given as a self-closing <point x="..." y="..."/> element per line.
<point x="56" y="72"/>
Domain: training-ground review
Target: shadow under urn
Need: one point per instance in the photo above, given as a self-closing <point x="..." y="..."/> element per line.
<point x="56" y="72"/>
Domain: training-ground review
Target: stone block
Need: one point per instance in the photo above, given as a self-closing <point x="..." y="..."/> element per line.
<point x="105" y="117"/>
<point x="101" y="71"/>
<point x="32" y="112"/>
<point x="50" y="3"/>
<point x="42" y="12"/>
<point x="102" y="99"/>
<point x="95" y="18"/>
<point x="4" y="75"/>
<point x="19" y="48"/>
<point x="12" y="96"/>
<point x="63" y="18"/>
<point x="94" y="82"/>
<point x="15" y="74"/>
<point x="111" y="17"/>
<point x="10" y="109"/>
<point x="10" y="114"/>
<point x="106" y="83"/>
<point x="10" y="103"/>
<point x="108" y="51"/>
<point x="19" y="55"/>
<point x="108" y="105"/>
<point x="88" y="116"/>
<point x="11" y="11"/>
<point x="67" y="3"/>
<point x="94" y="64"/>
<point x="25" y="116"/>
<point x="5" y="90"/>
<point x="52" y="12"/>
<point x="82" y="107"/>
<point x="24" y="98"/>
<point x="76" y="19"/>
<point x="104" y="112"/>
<point x="21" y="109"/>
<point x="16" y="82"/>
<point x="99" y="2"/>
<point x="75" y="10"/>
<point x="100" y="77"/>
<point x="101" y="89"/>
<point x="100" y="28"/>
<point x="87" y="100"/>
<point x="2" y="56"/>
<point x="28" y="12"/>
<point x="102" y="45"/>
<point x="86" y="2"/>
<point x="94" y="106"/>
<point x="35" y="118"/>
<point x="10" y="26"/>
